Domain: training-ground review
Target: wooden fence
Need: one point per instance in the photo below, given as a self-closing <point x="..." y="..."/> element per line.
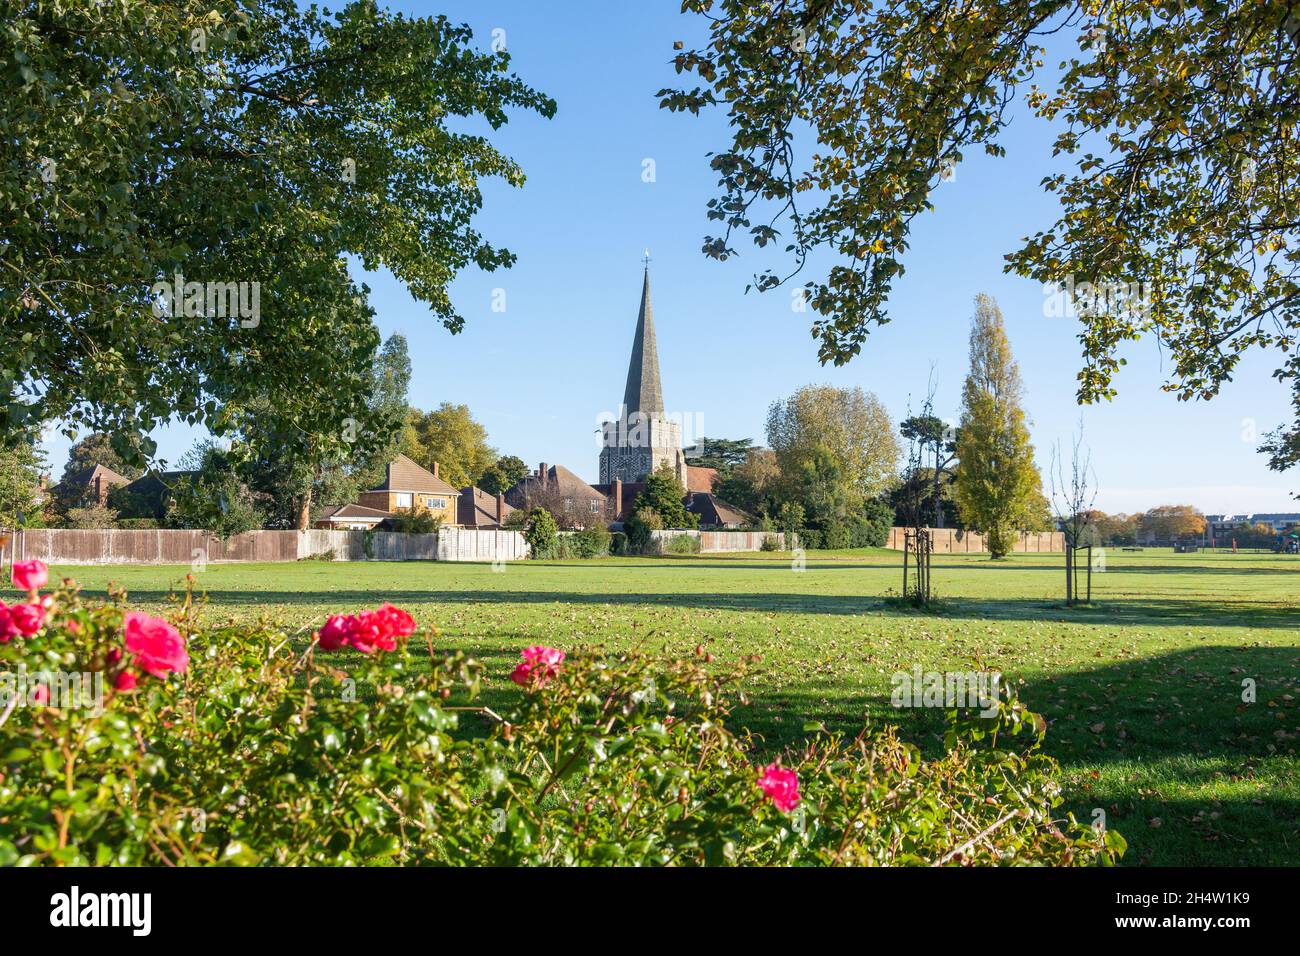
<point x="712" y="542"/>
<point x="952" y="541"/>
<point x="173" y="546"/>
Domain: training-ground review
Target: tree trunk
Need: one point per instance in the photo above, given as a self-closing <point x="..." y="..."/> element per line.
<point x="304" y="511"/>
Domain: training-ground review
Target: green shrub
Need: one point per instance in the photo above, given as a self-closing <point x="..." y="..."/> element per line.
<point x="137" y="524"/>
<point x="871" y="528"/>
<point x="638" y="528"/>
<point x="835" y="535"/>
<point x="769" y="543"/>
<point x="682" y="544"/>
<point x="591" y="542"/>
<point x="414" y="521"/>
<point x="261" y="753"/>
<point x="618" y="543"/>
<point x="810" y="539"/>
<point x="542" y="535"/>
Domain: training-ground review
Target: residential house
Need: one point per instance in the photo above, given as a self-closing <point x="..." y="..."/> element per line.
<point x="407" y="485"/>
<point x="352" y="517"/>
<point x="574" y="503"/>
<point x="1219" y="529"/>
<point x="91" y="485"/>
<point x="714" y="513"/>
<point x="477" y="509"/>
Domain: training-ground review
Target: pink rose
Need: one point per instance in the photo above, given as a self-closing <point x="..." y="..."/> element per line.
<point x="8" y="629"/>
<point x="396" y="620"/>
<point x="539" y="665"/>
<point x="158" y="647"/>
<point x="125" y="681"/>
<point x="27" y="618"/>
<point x="30" y="575"/>
<point x="780" y="786"/>
<point x="334" y="634"/>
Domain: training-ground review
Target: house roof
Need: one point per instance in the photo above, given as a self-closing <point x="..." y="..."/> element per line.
<point x="559" y="481"/>
<point x="699" y="478"/>
<point x="403" y="474"/>
<point x="87" y="476"/>
<point x="476" y="508"/>
<point x="344" y="512"/>
<point x="714" y="511"/>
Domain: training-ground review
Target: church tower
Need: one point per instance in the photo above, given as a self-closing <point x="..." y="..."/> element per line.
<point x="643" y="440"/>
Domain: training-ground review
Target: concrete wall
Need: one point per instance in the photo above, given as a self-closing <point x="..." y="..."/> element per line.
<point x="712" y="542"/>
<point x="950" y="541"/>
<point x="171" y="546"/>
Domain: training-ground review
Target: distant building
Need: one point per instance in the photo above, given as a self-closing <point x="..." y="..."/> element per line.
<point x="571" y="500"/>
<point x="407" y="485"/>
<point x="91" y="485"/>
<point x="642" y="440"/>
<point x="1220" y="528"/>
<point x="475" y="508"/>
<point x="352" y="518"/>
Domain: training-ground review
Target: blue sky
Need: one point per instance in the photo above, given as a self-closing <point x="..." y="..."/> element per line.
<point x="539" y="374"/>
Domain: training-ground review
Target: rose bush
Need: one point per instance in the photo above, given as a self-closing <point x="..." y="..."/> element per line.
<point x="361" y="743"/>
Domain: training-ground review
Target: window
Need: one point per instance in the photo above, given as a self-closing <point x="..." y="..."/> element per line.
<point x="595" y="506"/>
<point x="403" y="499"/>
<point x="437" y="503"/>
<point x="568" y="504"/>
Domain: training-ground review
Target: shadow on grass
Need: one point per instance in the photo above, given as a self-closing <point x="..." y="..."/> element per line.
<point x="1157" y="611"/>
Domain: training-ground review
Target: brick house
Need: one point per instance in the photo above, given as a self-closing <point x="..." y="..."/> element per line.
<point x="407" y="485"/>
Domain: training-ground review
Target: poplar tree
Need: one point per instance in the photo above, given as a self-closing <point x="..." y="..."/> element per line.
<point x="997" y="482"/>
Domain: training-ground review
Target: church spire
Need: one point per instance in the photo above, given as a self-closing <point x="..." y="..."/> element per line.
<point x="644" y="393"/>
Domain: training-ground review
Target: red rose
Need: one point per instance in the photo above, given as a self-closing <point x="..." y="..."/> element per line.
<point x="780" y="786"/>
<point x="158" y="647"/>
<point x="125" y="681"/>
<point x="27" y="618"/>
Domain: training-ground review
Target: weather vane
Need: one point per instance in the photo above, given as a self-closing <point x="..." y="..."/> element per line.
<point x="646" y="259"/>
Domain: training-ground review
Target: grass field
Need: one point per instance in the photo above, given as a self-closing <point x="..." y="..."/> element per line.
<point x="1142" y="690"/>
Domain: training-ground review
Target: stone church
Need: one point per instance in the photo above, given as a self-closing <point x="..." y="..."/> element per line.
<point x="642" y="440"/>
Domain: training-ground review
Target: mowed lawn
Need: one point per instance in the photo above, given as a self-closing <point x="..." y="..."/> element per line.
<point x="1142" y="691"/>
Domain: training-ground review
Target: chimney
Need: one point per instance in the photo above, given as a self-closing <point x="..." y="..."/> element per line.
<point x="541" y="472"/>
<point x="501" y="510"/>
<point x="618" y="498"/>
<point x="435" y="469"/>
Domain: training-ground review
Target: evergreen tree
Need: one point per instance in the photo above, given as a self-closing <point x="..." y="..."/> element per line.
<point x="997" y="484"/>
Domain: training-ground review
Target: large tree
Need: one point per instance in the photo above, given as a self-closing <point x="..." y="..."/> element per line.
<point x="720" y="453"/>
<point x="848" y="426"/>
<point x="1175" y="123"/>
<point x="507" y="472"/>
<point x="998" y="487"/>
<point x="228" y="141"/>
<point x="450" y="436"/>
<point x="1171" y="522"/>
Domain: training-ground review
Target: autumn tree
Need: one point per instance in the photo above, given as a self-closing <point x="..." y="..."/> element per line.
<point x="848" y="425"/>
<point x="998" y="488"/>
<point x="1171" y="522"/>
<point x="450" y="436"/>
<point x="197" y="144"/>
<point x="1174" y="124"/>
<point x="752" y="484"/>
